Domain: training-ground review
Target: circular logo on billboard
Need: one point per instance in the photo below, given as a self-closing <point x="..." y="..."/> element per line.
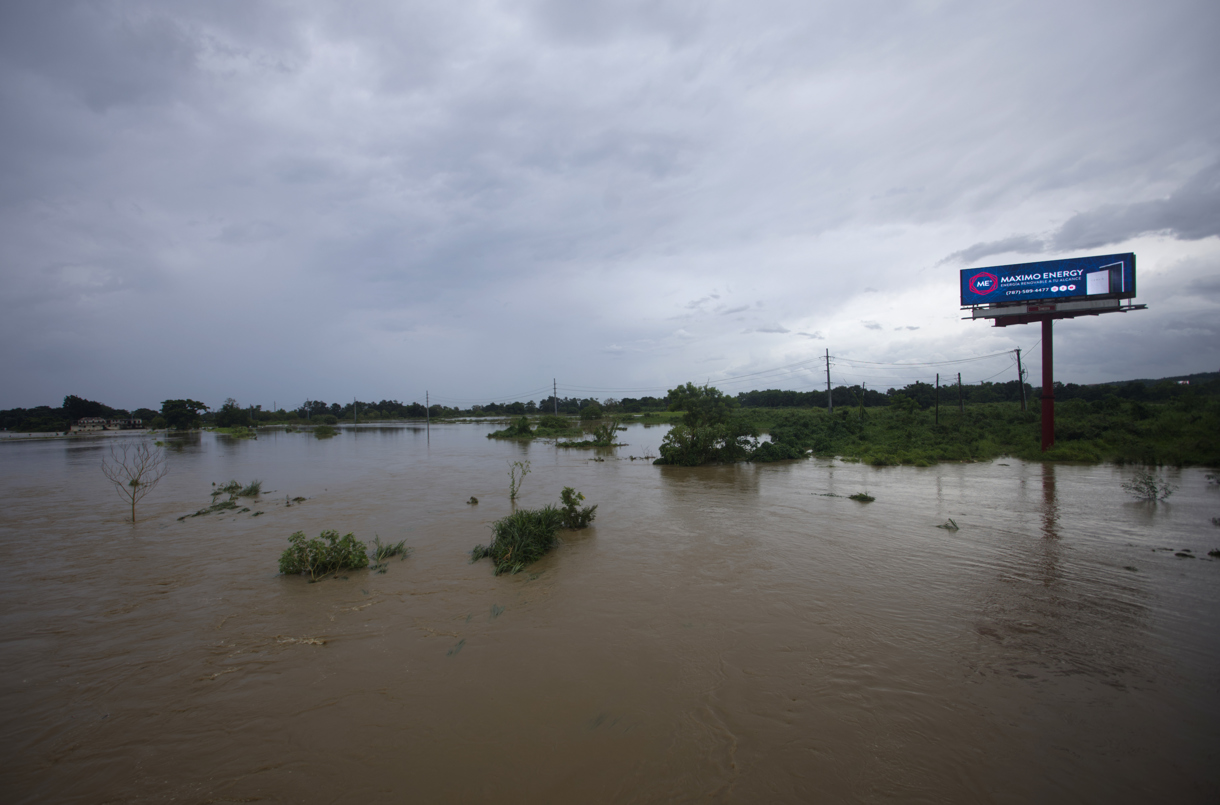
<point x="984" y="283"/>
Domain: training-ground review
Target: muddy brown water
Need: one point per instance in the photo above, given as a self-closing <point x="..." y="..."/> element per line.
<point x="727" y="634"/>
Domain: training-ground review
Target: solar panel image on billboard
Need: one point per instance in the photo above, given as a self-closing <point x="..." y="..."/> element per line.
<point x="1110" y="276"/>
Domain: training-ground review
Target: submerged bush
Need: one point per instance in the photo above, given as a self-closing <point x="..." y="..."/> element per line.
<point x="1147" y="486"/>
<point x="520" y="539"/>
<point x="324" y="431"/>
<point x="324" y="554"/>
<point x="776" y="451"/>
<point x="574" y="517"/>
<point x="726" y="442"/>
<point x="383" y="551"/>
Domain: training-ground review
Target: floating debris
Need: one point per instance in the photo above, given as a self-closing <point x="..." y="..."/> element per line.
<point x="949" y="525"/>
<point x="456" y="648"/>
<point x="473" y="501"/>
<point x="305" y="641"/>
<point x="862" y="497"/>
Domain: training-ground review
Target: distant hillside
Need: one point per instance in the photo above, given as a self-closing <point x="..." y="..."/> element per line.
<point x="1195" y="379"/>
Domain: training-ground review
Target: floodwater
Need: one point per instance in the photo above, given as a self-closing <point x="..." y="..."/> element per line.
<point x="727" y="634"/>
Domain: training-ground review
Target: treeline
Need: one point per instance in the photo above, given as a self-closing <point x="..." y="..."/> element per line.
<point x="183" y="414"/>
<point x="925" y="395"/>
<point x="45" y="419"/>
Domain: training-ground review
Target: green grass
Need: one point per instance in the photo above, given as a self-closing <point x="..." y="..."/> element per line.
<point x="327" y="553"/>
<point x="1129" y="433"/>
<point x="520" y="539"/>
<point x="548" y="426"/>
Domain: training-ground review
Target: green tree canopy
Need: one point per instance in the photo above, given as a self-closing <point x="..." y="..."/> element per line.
<point x="703" y="405"/>
<point x="232" y="415"/>
<point x="182" y="414"/>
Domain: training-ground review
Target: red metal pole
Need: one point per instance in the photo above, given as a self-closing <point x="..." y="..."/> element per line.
<point x="1048" y="387"/>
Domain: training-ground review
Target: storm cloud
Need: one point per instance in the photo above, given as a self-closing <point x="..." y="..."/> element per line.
<point x="274" y="202"/>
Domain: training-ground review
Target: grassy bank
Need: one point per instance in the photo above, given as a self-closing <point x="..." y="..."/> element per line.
<point x="1184" y="432"/>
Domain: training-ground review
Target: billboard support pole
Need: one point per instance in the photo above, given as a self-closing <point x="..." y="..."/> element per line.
<point x="1021" y="378"/>
<point x="1048" y="385"/>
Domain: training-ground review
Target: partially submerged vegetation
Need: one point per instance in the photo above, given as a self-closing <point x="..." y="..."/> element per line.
<point x="1147" y="486"/>
<point x="1183" y="432"/>
<point x="330" y="553"/>
<point x="135" y="470"/>
<point x="520" y="539"/>
<point x="712" y="430"/>
<point x="526" y="535"/>
<point x="548" y="426"/>
<point x="326" y="553"/>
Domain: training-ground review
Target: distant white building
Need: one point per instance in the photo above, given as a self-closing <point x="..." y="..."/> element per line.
<point x="90" y="423"/>
<point x="101" y="423"/>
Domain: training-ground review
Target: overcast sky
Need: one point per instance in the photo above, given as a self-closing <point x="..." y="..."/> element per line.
<point x="281" y="201"/>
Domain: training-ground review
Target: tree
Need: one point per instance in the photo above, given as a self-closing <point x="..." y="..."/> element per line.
<point x="182" y="414"/>
<point x="709" y="432"/>
<point x="232" y="415"/>
<point x="135" y="470"/>
<point x="703" y="405"/>
<point x="76" y="408"/>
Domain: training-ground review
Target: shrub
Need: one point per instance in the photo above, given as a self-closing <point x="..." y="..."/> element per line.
<point x="605" y="434"/>
<point x="776" y="451"/>
<point x="591" y="411"/>
<point x="1147" y="486"/>
<point x="690" y="446"/>
<point x="518" y="429"/>
<point x="330" y="419"/>
<point x="520" y="539"/>
<point x="574" y="517"/>
<point x="324" y="431"/>
<point x="383" y="551"/>
<point x="327" y="553"/>
<point x="862" y="497"/>
<point x="553" y="422"/>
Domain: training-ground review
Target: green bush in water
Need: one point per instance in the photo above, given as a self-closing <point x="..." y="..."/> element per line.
<point x="520" y="539"/>
<point x="324" y="554"/>
<point x="324" y="431"/>
<point x="726" y="442"/>
<point x="553" y="422"/>
<point x="776" y="451"/>
<point x="575" y="516"/>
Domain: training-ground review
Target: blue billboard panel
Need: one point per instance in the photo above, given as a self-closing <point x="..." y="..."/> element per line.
<point x="1110" y="276"/>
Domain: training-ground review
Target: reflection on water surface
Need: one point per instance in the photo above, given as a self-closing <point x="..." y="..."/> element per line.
<point x="733" y="633"/>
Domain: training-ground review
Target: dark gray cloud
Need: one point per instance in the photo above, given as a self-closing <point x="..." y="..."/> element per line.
<point x="377" y="194"/>
<point x="1192" y="212"/>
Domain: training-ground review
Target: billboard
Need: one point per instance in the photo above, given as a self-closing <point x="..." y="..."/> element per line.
<point x="1110" y="276"/>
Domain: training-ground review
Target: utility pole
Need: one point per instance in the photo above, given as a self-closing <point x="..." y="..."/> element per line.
<point x="355" y="412"/>
<point x="938" y="398"/>
<point x="427" y="412"/>
<point x="961" y="405"/>
<point x="555" y="395"/>
<point x="830" y="402"/>
<point x="1021" y="378"/>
